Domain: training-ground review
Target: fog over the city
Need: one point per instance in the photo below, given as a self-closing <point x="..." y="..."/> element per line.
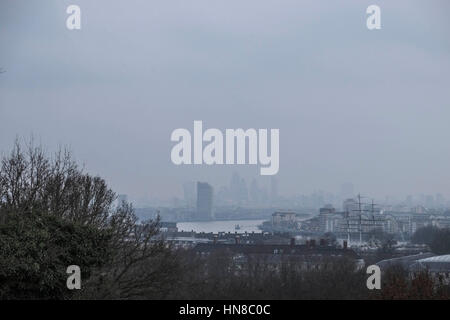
<point x="369" y="107"/>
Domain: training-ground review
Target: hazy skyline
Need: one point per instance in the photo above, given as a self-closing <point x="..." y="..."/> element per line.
<point x="369" y="107"/>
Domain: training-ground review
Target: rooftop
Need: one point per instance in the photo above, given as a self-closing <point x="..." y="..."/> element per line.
<point x="277" y="249"/>
<point x="443" y="259"/>
<point x="433" y="264"/>
<point x="404" y="261"/>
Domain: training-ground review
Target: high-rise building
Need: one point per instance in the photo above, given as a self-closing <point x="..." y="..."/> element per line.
<point x="204" y="201"/>
<point x="222" y="197"/>
<point x="189" y="193"/>
<point x="238" y="189"/>
<point x="350" y="205"/>
<point x="439" y="200"/>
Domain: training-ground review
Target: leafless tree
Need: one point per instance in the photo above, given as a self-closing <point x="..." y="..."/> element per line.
<point x="140" y="262"/>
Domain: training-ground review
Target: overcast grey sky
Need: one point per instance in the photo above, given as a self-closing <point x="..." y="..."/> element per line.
<point x="370" y="107"/>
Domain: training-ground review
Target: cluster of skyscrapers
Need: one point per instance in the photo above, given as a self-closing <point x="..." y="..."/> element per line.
<point x="236" y="193"/>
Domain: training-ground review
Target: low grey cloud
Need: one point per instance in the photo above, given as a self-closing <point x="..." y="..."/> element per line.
<point x="351" y="104"/>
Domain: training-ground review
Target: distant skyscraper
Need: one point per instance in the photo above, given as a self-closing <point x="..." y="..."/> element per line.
<point x="350" y="205"/>
<point x="222" y="197"/>
<point x="189" y="193"/>
<point x="440" y="200"/>
<point x="429" y="201"/>
<point x="204" y="201"/>
<point x="238" y="189"/>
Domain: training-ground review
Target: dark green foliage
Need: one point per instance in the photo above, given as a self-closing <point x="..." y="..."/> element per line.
<point x="441" y="242"/>
<point x="36" y="249"/>
<point x="437" y="239"/>
<point x="399" y="284"/>
<point x="219" y="276"/>
<point x="424" y="235"/>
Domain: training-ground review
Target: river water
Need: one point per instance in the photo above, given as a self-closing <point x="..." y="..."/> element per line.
<point x="221" y="226"/>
